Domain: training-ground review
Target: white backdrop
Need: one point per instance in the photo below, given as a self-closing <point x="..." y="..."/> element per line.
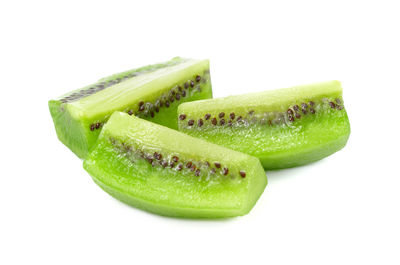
<point x="341" y="210"/>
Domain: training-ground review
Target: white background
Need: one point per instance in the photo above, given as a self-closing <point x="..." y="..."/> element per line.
<point x="341" y="210"/>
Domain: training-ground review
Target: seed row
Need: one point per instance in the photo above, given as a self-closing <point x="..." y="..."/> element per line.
<point x="149" y="109"/>
<point x="293" y="113"/>
<point x="157" y="159"/>
<point x="102" y="85"/>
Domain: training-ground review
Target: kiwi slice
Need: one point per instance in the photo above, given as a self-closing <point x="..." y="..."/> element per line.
<point x="283" y="128"/>
<point x="152" y="92"/>
<point x="170" y="173"/>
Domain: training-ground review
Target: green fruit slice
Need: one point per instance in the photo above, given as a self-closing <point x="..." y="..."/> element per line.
<point x="283" y="128"/>
<point x="152" y="92"/>
<point x="170" y="173"/>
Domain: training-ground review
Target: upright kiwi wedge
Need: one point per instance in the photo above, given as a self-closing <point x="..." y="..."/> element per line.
<point x="164" y="171"/>
<point x="152" y="92"/>
<point x="283" y="128"/>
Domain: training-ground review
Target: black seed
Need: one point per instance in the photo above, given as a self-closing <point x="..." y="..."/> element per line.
<point x="152" y="114"/>
<point x="161" y="102"/>
<point x="173" y="92"/>
<point x="290" y="111"/>
<point x="197" y="173"/>
<point x="186" y="85"/>
<point x="141" y="108"/>
<point x="149" y="159"/>
<point x="290" y="117"/>
<point x="312" y="110"/>
<point x="207" y="164"/>
<point x="167" y="103"/>
<point x="239" y="118"/>
<point x="242" y="173"/>
<point x="217" y="165"/>
<point x="171" y="98"/>
<point x="92" y="127"/>
<point x="296" y="107"/>
<point x="251" y="112"/>
<point x="338" y="101"/>
<point x="182" y="117"/>
<point x="339" y="107"/>
<point x="92" y="88"/>
<point x="222" y="122"/>
<point x="141" y="103"/>
<point x="180" y="88"/>
<point x="183" y="93"/>
<point x="207" y="116"/>
<point x="226" y="171"/>
<point x="232" y="116"/>
<point x="193" y="168"/>
<point x="190" y="122"/>
<point x="221" y="115"/>
<point x="130" y="112"/>
<point x="214" y="121"/>
<point x="298" y="116"/>
<point x="180" y="167"/>
<point x="157" y="109"/>
<point x="229" y="123"/>
<point x="304" y="111"/>
<point x="175" y="159"/>
<point x="188" y="164"/>
<point x="164" y="164"/>
<point x="212" y="171"/>
<point x="191" y="83"/>
<point x="200" y="122"/>
<point x="311" y="103"/>
<point x="157" y="156"/>
<point x="198" y="78"/>
<point x="171" y="164"/>
<point x="333" y="105"/>
<point x="178" y="97"/>
<point x="98" y="125"/>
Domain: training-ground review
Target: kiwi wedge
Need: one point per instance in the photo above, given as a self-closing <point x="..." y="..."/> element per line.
<point x="164" y="171"/>
<point x="283" y="128"/>
<point x="152" y="92"/>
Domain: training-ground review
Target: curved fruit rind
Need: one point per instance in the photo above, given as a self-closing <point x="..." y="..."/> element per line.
<point x="152" y="92"/>
<point x="120" y="164"/>
<point x="283" y="128"/>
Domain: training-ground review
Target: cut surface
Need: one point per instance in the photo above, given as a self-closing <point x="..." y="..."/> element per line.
<point x="152" y="92"/>
<point x="283" y="128"/>
<point x="167" y="172"/>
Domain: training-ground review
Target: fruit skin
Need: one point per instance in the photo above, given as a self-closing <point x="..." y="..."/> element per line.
<point x="166" y="191"/>
<point x="75" y="118"/>
<point x="293" y="142"/>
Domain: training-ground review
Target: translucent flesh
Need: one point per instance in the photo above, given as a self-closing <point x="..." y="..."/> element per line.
<point x="289" y="144"/>
<point x="73" y="120"/>
<point x="167" y="191"/>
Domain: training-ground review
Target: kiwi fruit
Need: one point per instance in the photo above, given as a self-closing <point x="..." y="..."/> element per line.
<point x="283" y="128"/>
<point x="167" y="172"/>
<point x="152" y="92"/>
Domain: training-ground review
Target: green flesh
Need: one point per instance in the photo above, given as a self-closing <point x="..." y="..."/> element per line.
<point x="269" y="133"/>
<point x="120" y="164"/>
<point x="77" y="113"/>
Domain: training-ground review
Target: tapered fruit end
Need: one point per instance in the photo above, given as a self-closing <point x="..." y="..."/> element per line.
<point x="70" y="131"/>
<point x="166" y="172"/>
